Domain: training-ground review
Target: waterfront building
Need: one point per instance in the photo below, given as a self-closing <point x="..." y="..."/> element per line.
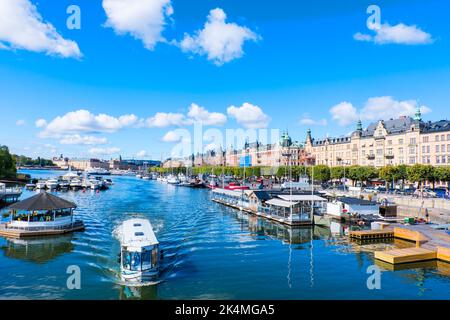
<point x="251" y="155"/>
<point x="405" y="140"/>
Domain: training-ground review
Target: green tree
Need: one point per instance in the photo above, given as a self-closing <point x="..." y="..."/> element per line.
<point x="321" y="173"/>
<point x="420" y="173"/>
<point x="337" y="173"/>
<point x="7" y="164"/>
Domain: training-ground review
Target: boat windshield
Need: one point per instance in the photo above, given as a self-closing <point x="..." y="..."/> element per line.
<point x="140" y="261"/>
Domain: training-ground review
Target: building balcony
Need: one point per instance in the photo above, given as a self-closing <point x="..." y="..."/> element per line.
<point x="389" y="156"/>
<point x="370" y="157"/>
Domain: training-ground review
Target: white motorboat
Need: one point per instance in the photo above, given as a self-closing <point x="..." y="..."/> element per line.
<point x="40" y="185"/>
<point x="171" y="179"/>
<point x="30" y="186"/>
<point x="75" y="183"/>
<point x="139" y="176"/>
<point x="64" y="185"/>
<point x="146" y="178"/>
<point x="97" y="172"/>
<point x="95" y="184"/>
<point x="139" y="256"/>
<point x="52" y="184"/>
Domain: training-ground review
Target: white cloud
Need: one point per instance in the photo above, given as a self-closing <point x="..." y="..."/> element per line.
<point x="143" y="19"/>
<point x="398" y="34"/>
<point x="311" y="122"/>
<point x="141" y="154"/>
<point x="104" y="151"/>
<point x="162" y="119"/>
<point x="387" y="107"/>
<point x="200" y="114"/>
<point x="219" y="40"/>
<point x="83" y="121"/>
<point x="41" y="123"/>
<point x="344" y="113"/>
<point x="249" y="116"/>
<point x="22" y="27"/>
<point x="21" y="122"/>
<point x="376" y="108"/>
<point x="83" y="140"/>
<point x="171" y="136"/>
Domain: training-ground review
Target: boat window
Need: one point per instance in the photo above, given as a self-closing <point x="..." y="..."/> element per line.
<point x="135" y="261"/>
<point x="137" y="225"/>
<point x="146" y="260"/>
<point x="138" y="234"/>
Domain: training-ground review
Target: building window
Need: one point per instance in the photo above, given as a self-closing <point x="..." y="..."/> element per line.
<point x="412" y="141"/>
<point x="437" y="148"/>
<point x="443" y="159"/>
<point x="442" y="137"/>
<point x="412" y="160"/>
<point x="412" y="150"/>
<point x="380" y="152"/>
<point x="400" y="141"/>
<point x="428" y="149"/>
<point x="390" y="142"/>
<point x="443" y="148"/>
<point x="424" y="149"/>
<point x="400" y="150"/>
<point x="436" y="138"/>
<point x="425" y="139"/>
<point x="438" y="159"/>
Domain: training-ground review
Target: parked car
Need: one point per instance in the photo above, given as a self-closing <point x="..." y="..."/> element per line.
<point x="426" y="193"/>
<point x="370" y="190"/>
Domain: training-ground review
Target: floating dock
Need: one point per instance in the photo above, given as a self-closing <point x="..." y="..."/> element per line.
<point x="407" y="255"/>
<point x="372" y="234"/>
<point x="22" y="233"/>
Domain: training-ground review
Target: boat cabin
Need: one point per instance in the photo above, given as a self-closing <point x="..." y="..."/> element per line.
<point x="139" y="251"/>
<point x="345" y="207"/>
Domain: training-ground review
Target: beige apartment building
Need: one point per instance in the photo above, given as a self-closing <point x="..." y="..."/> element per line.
<point x="404" y="140"/>
<point x="253" y="154"/>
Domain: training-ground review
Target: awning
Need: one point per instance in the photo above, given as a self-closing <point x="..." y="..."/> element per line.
<point x="42" y="201"/>
<point x="281" y="203"/>
<point x="301" y="197"/>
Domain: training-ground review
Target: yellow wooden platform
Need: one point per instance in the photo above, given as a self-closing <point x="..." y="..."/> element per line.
<point x="407" y="255"/>
<point x="371" y="234"/>
<point x="411" y="235"/>
<point x="443" y="253"/>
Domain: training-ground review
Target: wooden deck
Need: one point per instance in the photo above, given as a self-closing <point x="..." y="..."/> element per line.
<point x="407" y="255"/>
<point x="19" y="233"/>
<point x="372" y="234"/>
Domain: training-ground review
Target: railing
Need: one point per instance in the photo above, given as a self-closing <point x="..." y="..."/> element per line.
<point x="77" y="223"/>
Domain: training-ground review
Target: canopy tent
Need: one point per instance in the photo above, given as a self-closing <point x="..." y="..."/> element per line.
<point x="43" y="201"/>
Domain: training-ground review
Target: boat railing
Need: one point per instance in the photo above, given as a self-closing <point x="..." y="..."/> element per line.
<point x="76" y="223"/>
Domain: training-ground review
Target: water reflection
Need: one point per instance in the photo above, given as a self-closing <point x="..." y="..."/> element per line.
<point x="138" y="293"/>
<point x="38" y="250"/>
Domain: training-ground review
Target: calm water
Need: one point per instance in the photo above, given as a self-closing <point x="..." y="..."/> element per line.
<point x="211" y="252"/>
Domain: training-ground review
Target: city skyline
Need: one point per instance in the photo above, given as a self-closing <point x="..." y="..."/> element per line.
<point x="114" y="88"/>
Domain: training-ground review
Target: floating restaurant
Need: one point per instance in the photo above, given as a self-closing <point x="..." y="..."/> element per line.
<point x="41" y="215"/>
<point x="288" y="209"/>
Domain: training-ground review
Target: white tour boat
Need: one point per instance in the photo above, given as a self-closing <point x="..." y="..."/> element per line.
<point x="139" y="257"/>
<point x="52" y="184"/>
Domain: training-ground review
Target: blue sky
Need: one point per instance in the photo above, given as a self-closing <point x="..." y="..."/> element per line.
<point x="299" y="60"/>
